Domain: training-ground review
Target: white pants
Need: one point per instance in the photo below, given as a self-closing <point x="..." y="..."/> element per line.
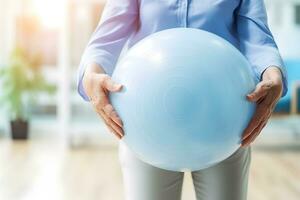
<point x="227" y="180"/>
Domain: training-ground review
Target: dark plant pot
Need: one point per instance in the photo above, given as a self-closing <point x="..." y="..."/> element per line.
<point x="19" y="129"/>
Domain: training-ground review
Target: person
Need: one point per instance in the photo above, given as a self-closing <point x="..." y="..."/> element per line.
<point x="241" y="22"/>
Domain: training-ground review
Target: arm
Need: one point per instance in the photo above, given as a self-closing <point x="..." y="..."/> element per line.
<point x="119" y="20"/>
<point x="258" y="45"/>
<point x="256" y="40"/>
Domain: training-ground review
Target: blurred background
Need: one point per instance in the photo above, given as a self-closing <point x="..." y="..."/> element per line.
<point x="66" y="152"/>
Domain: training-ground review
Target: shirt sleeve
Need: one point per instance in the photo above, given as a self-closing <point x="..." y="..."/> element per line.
<point x="256" y="40"/>
<point x="118" y="22"/>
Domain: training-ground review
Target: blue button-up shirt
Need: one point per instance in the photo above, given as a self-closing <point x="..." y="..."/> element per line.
<point x="124" y="22"/>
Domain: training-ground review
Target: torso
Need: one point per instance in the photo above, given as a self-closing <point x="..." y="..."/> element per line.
<point x="216" y="16"/>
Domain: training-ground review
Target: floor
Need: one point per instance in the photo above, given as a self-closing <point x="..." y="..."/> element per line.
<point x="49" y="169"/>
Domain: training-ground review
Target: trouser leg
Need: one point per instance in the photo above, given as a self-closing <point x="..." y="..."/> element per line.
<point x="145" y="182"/>
<point x="227" y="180"/>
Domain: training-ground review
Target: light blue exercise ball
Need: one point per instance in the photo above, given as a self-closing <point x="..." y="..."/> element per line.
<point x="183" y="103"/>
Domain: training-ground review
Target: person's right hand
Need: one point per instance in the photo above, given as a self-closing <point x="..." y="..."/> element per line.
<point x="97" y="86"/>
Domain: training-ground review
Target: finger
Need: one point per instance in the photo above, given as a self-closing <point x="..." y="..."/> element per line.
<point x="110" y="112"/>
<point x="259" y="115"/>
<point x="102" y="102"/>
<point x="110" y="85"/>
<point x="108" y="122"/>
<point x="259" y="131"/>
<point x="113" y="124"/>
<point x="260" y="90"/>
<point x="113" y="131"/>
<point x="114" y="128"/>
<point x="251" y="137"/>
<point x="254" y="134"/>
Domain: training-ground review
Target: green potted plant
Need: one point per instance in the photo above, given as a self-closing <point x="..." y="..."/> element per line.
<point x="21" y="79"/>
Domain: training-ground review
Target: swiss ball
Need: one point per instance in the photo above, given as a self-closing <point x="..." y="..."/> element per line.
<point x="183" y="102"/>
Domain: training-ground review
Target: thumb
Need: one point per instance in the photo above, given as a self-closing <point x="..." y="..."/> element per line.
<point x="110" y="85"/>
<point x="261" y="90"/>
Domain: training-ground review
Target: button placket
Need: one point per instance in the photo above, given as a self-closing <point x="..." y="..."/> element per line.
<point x="184" y="8"/>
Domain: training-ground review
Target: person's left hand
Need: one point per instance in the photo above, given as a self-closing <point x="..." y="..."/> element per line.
<point x="266" y="95"/>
